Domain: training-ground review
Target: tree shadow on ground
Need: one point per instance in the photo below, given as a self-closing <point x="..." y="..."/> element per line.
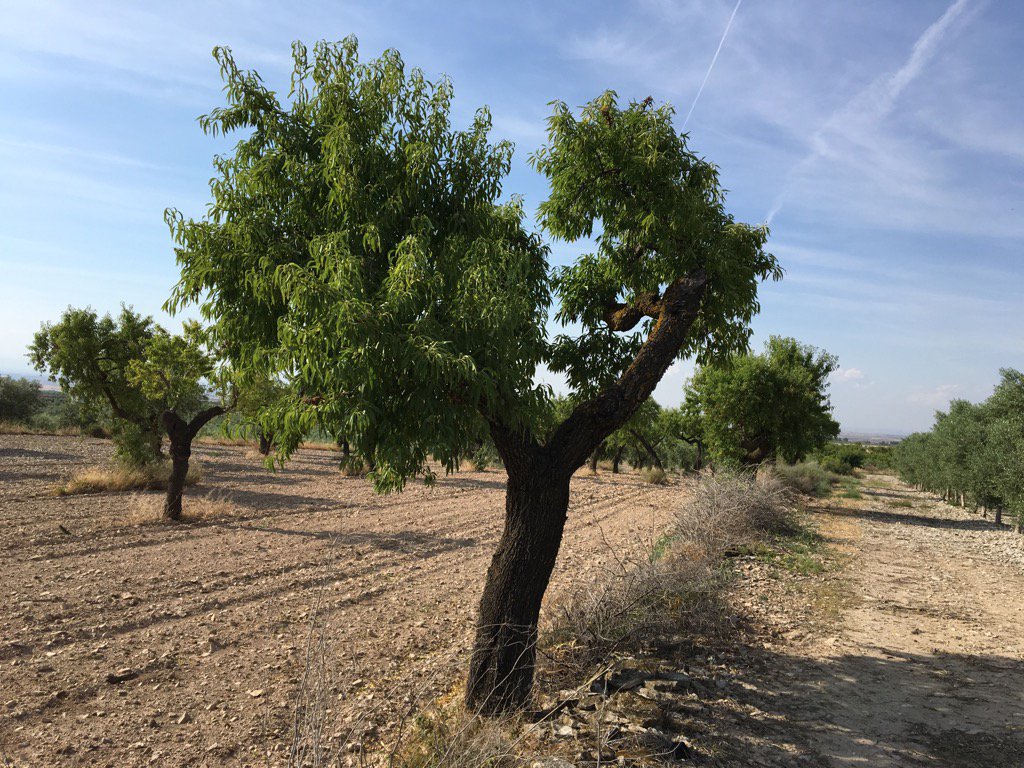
<point x="887" y="710"/>
<point x="420" y="543"/>
<point x="25" y="453"/>
<point x="907" y="518"/>
<point x="473" y="483"/>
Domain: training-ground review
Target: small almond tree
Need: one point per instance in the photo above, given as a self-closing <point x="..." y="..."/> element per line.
<point x="175" y="371"/>
<point x="753" y="408"/>
<point x="359" y="244"/>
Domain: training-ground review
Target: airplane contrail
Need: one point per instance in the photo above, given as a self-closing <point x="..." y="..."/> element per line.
<point x="875" y="102"/>
<point x="712" y="65"/>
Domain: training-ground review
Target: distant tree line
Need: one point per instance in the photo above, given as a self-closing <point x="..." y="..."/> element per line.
<point x="974" y="454"/>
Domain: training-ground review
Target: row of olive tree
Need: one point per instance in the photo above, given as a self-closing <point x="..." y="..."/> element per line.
<point x="974" y="454"/>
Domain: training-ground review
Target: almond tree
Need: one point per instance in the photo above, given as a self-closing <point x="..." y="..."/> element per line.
<point x="360" y="246"/>
<point x="175" y="371"/>
<point x="89" y="356"/>
<point x="753" y="408"/>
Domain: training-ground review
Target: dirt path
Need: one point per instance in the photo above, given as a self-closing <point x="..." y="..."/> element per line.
<point x="209" y="621"/>
<point x="926" y="665"/>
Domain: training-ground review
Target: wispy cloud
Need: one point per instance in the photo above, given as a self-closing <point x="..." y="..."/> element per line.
<point x="853" y="121"/>
<point x="849" y="374"/>
<point x="936" y="397"/>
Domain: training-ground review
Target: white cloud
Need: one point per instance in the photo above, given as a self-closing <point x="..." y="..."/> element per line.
<point x="936" y="397"/>
<point x="849" y="374"/>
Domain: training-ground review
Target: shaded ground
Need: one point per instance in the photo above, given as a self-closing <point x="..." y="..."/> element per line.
<point x="911" y="653"/>
<point x="209" y="621"/>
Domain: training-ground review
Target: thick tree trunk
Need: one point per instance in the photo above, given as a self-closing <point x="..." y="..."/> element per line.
<point x="181" y="434"/>
<point x="537" y="498"/>
<point x="501" y="670"/>
<point x="266" y="442"/>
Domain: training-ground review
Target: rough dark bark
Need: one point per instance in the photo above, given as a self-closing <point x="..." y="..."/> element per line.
<point x="181" y="433"/>
<point x="501" y="669"/>
<point x="537" y="498"/>
<point x="266" y="443"/>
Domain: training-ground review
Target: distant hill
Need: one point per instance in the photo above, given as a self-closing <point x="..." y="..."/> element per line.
<point x="871" y="438"/>
<point x="44" y="382"/>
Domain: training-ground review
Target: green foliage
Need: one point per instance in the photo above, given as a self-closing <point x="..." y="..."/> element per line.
<point x="19" y="399"/>
<point x="173" y="369"/>
<point x="126" y="366"/>
<point x="806" y="477"/>
<point x="974" y="450"/>
<point x="359" y="247"/>
<point x="841" y="458"/>
<point x="751" y="408"/>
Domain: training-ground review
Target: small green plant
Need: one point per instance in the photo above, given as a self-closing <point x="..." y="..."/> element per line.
<point x="798" y="551"/>
<point x="807" y="478"/>
<point x="904" y="503"/>
<point x="850" y="490"/>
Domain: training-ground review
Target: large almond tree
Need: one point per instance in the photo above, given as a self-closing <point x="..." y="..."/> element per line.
<point x="362" y="248"/>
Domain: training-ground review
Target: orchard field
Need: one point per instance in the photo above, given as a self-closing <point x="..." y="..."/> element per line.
<point x="208" y="621"/>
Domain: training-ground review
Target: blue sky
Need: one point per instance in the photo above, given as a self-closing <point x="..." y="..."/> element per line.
<point x="884" y="142"/>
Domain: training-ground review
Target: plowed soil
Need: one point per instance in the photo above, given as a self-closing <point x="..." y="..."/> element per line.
<point x="128" y="642"/>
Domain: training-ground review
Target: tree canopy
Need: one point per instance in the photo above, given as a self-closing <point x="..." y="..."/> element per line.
<point x="750" y="408"/>
<point x="975" y="451"/>
<point x="19" y="399"/>
<point x="361" y="249"/>
<point x="360" y="244"/>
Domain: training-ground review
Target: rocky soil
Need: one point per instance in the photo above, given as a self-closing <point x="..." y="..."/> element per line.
<point x="128" y="642"/>
<point x="898" y="643"/>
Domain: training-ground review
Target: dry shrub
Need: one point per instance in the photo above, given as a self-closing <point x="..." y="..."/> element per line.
<point x="654" y="476"/>
<point x="727" y="512"/>
<point x="675" y="587"/>
<point x="118" y="477"/>
<point x="149" y="508"/>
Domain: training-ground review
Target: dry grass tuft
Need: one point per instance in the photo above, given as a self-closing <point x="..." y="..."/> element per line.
<point x="654" y="476"/>
<point x="20" y="428"/>
<point x="449" y="736"/>
<point x="354" y="468"/>
<point x="116" y="478"/>
<point x="149" y="508"/>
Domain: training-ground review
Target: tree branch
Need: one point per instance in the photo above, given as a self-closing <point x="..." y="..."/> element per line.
<point x="592" y="421"/>
<point x="624" y="317"/>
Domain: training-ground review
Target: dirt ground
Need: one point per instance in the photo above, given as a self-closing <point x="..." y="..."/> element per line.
<point x="209" y="621"/>
<point x="907" y="651"/>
